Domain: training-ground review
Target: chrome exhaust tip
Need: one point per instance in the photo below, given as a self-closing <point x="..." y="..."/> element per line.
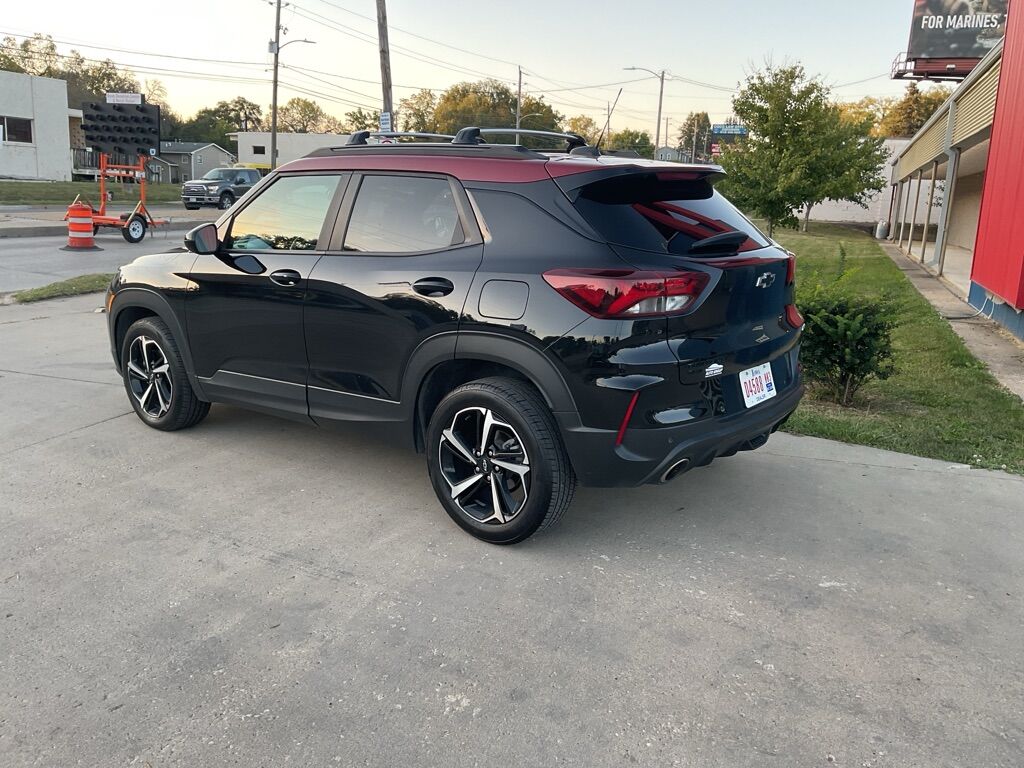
<point x="676" y="469"/>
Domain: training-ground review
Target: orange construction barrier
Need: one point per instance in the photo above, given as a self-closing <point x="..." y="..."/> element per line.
<point x="80" y="227"/>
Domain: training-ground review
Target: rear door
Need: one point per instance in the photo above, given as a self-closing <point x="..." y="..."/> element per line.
<point x="244" y="312"/>
<point x="397" y="272"/>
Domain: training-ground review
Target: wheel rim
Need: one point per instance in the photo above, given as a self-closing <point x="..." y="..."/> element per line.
<point x="225" y="201"/>
<point x="135" y="229"/>
<point x="485" y="465"/>
<point x="149" y="376"/>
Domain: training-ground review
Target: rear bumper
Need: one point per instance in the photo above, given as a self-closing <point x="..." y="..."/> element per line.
<point x="645" y="455"/>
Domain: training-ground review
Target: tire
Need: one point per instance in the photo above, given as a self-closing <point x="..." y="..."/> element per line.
<point x="155" y="380"/>
<point x="226" y="201"/>
<point x="510" y="418"/>
<point x="134" y="230"/>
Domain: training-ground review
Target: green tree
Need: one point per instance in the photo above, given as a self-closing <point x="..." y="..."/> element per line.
<point x="304" y="116"/>
<point x="416" y="112"/>
<point x="36" y="55"/>
<point x="695" y="123"/>
<point x="784" y="111"/>
<point x="360" y="120"/>
<point x="492" y="104"/>
<point x="213" y="124"/>
<point x="638" y="141"/>
<point x="585" y="126"/>
<point x="906" y="116"/>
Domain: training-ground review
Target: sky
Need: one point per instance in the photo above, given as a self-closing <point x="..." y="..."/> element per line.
<point x="574" y="58"/>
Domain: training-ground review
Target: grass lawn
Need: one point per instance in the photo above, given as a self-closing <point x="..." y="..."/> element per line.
<point x="72" y="287"/>
<point x="63" y="192"/>
<point x="942" y="402"/>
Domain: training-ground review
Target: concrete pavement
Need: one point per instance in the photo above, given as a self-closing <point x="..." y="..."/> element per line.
<point x="255" y="592"/>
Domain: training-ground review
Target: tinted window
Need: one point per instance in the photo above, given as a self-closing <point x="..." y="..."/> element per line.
<point x="403" y="214"/>
<point x="287" y="216"/>
<point x="17" y="129"/>
<point x="642" y="211"/>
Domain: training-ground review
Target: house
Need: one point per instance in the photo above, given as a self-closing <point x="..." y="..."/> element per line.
<point x="254" y="146"/>
<point x="671" y="155"/>
<point x="189" y="160"/>
<point x="35" y="128"/>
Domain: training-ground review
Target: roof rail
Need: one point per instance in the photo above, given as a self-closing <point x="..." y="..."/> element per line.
<point x="360" y="137"/>
<point x="473" y="135"/>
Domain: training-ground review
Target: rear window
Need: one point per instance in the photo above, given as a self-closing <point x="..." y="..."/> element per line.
<point x="641" y="211"/>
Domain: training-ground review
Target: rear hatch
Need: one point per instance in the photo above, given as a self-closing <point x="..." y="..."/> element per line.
<point x="658" y="218"/>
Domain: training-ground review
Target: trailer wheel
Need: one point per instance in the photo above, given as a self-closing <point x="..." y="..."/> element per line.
<point x="135" y="230"/>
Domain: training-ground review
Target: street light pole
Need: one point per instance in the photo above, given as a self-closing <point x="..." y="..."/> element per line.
<point x="661" y="93"/>
<point x="275" y="48"/>
<point x="519" y="103"/>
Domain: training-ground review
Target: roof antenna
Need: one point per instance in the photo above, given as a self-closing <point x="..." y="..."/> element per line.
<point x="608" y="121"/>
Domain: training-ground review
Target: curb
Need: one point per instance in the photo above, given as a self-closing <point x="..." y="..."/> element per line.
<point x="47" y="230"/>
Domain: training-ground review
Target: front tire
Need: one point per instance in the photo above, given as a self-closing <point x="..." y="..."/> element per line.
<point x="496" y="461"/>
<point x="155" y="378"/>
<point x="226" y="201"/>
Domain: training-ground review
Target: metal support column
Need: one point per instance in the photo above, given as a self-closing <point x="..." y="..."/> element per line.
<point x="928" y="210"/>
<point x="913" y="216"/>
<point x="906" y="207"/>
<point x="942" y="236"/>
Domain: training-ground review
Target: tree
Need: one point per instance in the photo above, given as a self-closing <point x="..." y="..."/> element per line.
<point x="585" y="127"/>
<point x="638" y="141"/>
<point x="155" y="92"/>
<point x="36" y="55"/>
<point x="695" y="123"/>
<point x="304" y="116"/>
<point x="360" y="120"/>
<point x="417" y="112"/>
<point x="907" y="115"/>
<point x="800" y="149"/>
<point x="492" y="104"/>
<point x="89" y="81"/>
<point x="873" y="108"/>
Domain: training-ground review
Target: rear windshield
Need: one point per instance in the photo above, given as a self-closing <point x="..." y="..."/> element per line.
<point x="641" y="211"/>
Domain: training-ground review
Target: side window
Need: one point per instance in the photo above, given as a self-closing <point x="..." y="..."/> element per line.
<point x="403" y="214"/>
<point x="287" y="216"/>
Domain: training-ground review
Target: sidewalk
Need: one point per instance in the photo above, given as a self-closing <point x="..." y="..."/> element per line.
<point x="48" y="220"/>
<point x="1000" y="351"/>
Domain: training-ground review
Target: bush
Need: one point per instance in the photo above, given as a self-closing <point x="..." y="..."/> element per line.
<point x="847" y="339"/>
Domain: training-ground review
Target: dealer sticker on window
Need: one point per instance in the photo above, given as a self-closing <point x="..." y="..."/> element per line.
<point x="757" y="384"/>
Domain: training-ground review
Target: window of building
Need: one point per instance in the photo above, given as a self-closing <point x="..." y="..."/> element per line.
<point x="259" y="149"/>
<point x="16" y="129"/>
<point x="288" y="216"/>
<point x="403" y="214"/>
<point x="199" y="159"/>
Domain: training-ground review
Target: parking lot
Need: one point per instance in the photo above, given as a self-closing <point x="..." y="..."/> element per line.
<point x="256" y="592"/>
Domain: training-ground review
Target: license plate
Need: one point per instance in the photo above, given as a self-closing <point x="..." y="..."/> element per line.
<point x="193" y="199"/>
<point x="757" y="384"/>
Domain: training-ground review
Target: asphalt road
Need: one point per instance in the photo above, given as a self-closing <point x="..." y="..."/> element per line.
<point x="255" y="592"/>
<point x="29" y="262"/>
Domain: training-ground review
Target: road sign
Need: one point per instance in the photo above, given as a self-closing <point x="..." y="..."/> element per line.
<point x="385" y="121"/>
<point x="716" y="150"/>
<point x="124" y="98"/>
<point x="729" y="129"/>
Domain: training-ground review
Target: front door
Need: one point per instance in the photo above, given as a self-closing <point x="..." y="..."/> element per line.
<point x="398" y="273"/>
<point x="244" y="312"/>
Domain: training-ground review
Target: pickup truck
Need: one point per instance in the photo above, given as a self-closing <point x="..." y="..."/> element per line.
<point x="220" y="187"/>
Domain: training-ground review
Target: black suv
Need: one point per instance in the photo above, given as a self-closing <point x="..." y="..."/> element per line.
<point x="528" y="319"/>
<point x="220" y="187"/>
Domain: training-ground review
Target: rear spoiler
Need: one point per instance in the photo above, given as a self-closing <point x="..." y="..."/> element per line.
<point x="571" y="180"/>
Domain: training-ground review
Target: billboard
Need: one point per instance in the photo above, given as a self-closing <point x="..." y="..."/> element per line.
<point x="956" y="29"/>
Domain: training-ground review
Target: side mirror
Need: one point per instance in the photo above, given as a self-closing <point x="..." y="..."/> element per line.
<point x="203" y="239"/>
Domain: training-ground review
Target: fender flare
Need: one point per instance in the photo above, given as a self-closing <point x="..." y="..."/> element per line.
<point x="131" y="297"/>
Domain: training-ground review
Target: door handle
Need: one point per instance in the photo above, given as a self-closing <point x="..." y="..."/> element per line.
<point x="433" y="286"/>
<point x="286" y="277"/>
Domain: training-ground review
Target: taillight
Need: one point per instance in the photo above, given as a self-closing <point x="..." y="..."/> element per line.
<point x="626" y="293"/>
<point x="791" y="269"/>
<point x="793" y="316"/>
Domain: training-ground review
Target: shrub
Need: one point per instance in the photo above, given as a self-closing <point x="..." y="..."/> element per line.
<point x="847" y="339"/>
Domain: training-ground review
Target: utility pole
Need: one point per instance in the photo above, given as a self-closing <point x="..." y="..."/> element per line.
<point x="661" y="93"/>
<point x="273" y="98"/>
<point x="519" y="103"/>
<point x="667" y="121"/>
<point x="385" y="58"/>
<point x="695" y="124"/>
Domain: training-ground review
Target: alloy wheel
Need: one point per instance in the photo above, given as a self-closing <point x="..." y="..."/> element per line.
<point x="485" y="464"/>
<point x="149" y="376"/>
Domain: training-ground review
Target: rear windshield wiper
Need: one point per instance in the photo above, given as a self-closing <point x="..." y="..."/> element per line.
<point x="723" y="244"/>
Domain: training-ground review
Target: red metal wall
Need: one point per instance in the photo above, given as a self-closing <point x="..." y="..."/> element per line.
<point x="999" y="249"/>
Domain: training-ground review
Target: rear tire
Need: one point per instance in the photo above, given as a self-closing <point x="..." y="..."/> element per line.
<point x="155" y="378"/>
<point x="496" y="461"/>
